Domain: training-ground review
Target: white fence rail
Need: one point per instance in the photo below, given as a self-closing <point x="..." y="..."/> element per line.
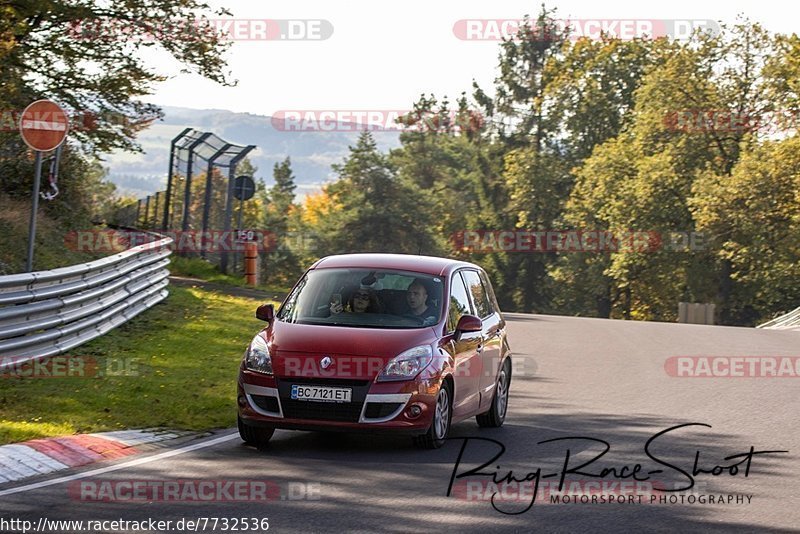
<point x="49" y="312"/>
<point x="789" y="320"/>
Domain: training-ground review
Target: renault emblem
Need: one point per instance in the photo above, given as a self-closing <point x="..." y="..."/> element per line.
<point x="326" y="362"/>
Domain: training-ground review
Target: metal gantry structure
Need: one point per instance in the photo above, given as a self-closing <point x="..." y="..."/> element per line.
<point x="185" y="150"/>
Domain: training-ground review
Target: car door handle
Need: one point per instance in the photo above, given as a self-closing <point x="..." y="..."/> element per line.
<point x="479" y="348"/>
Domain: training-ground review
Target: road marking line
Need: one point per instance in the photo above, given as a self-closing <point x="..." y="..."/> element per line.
<point x="132" y="463"/>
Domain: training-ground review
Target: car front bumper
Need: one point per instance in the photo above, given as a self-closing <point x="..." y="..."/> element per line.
<point x="264" y="400"/>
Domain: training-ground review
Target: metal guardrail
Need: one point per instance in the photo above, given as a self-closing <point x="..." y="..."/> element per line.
<point x="789" y="320"/>
<point x="49" y="312"/>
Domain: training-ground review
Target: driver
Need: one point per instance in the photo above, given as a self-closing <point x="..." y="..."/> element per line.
<point x="417" y="302"/>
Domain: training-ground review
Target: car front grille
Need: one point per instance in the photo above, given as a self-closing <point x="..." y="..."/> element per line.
<point x="268" y="404"/>
<point x="379" y="410"/>
<point x="347" y="412"/>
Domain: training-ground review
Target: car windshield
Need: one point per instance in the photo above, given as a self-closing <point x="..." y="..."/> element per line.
<point x="366" y="298"/>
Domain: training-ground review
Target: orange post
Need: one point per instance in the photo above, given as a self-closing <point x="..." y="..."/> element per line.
<point x="251" y="263"/>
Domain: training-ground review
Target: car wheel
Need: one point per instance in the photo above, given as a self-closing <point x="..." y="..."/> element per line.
<point x="497" y="411"/>
<point x="254" y="435"/>
<point x="440" y="426"/>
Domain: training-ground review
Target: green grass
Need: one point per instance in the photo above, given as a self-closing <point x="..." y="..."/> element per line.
<point x="51" y="249"/>
<point x="204" y="270"/>
<point x="181" y="360"/>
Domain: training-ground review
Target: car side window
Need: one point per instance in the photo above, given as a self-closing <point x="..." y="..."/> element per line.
<point x="490" y="292"/>
<point x="480" y="298"/>
<point x="290" y="311"/>
<point x="459" y="302"/>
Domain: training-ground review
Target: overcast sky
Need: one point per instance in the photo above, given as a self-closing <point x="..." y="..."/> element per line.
<point x="382" y="55"/>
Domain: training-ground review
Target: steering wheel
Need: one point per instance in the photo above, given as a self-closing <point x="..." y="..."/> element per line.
<point x="420" y="320"/>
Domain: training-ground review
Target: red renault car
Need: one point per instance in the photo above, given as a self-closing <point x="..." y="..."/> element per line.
<point x="378" y="342"/>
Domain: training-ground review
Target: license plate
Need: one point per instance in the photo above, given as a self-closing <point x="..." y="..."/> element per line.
<point x="321" y="393"/>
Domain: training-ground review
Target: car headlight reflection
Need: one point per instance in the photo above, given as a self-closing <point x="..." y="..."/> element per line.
<point x="257" y="357"/>
<point x="407" y="365"/>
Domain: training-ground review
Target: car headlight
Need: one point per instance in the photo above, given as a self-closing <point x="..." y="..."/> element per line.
<point x="407" y="365"/>
<point x="257" y="357"/>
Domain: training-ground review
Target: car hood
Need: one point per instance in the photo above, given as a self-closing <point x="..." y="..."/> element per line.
<point x="359" y="353"/>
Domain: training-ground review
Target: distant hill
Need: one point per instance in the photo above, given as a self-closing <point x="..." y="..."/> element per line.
<point x="312" y="153"/>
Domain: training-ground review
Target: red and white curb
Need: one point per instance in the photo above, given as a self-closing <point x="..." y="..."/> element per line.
<point x="42" y="456"/>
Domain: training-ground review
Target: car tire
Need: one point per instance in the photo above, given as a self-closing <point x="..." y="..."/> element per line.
<point x="496" y="415"/>
<point x="442" y="417"/>
<point x="254" y="435"/>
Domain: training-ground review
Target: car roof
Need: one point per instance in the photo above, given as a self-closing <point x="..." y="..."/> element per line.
<point x="401" y="262"/>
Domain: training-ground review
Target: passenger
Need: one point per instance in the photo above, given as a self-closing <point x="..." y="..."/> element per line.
<point x="363" y="300"/>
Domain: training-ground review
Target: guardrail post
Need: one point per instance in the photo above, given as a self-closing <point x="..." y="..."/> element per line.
<point x="251" y="263"/>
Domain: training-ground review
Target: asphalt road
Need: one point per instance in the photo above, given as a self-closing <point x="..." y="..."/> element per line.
<point x="574" y="377"/>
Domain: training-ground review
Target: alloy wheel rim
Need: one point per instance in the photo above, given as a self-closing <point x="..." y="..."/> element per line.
<point x="502" y="395"/>
<point x="441" y="415"/>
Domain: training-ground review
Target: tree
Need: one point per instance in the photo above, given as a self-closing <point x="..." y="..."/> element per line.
<point x="681" y="128"/>
<point x="753" y="215"/>
<point x="375" y="211"/>
<point x="523" y="130"/>
<point x="280" y="197"/>
<point x="520" y="107"/>
<point x="438" y="156"/>
<point x="281" y="263"/>
<point x="86" y="56"/>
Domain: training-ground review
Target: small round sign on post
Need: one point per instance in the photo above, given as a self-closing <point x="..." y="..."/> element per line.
<point x="43" y="125"/>
<point x="244" y="188"/>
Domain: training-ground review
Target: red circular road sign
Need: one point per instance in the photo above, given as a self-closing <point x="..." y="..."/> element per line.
<point x="43" y="125"/>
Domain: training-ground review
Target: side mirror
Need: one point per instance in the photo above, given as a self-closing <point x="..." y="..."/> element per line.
<point x="265" y="312"/>
<point x="468" y="323"/>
